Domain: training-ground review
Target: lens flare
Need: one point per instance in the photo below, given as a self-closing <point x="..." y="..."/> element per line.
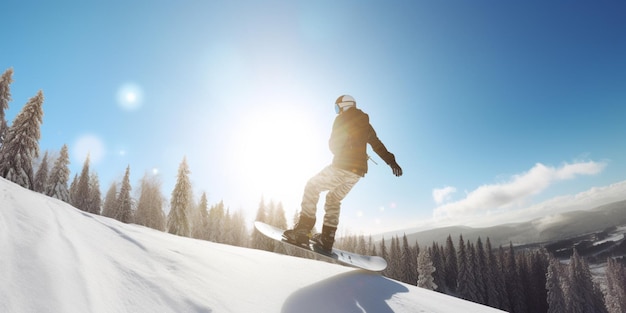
<point x="130" y="97"/>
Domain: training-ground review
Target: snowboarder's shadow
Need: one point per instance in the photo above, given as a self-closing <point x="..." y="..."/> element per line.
<point x="355" y="291"/>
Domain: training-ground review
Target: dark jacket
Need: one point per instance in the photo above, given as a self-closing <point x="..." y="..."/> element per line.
<point x="348" y="142"/>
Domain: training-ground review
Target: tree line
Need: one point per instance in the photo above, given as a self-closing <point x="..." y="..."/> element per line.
<point x="19" y="152"/>
<point x="515" y="281"/>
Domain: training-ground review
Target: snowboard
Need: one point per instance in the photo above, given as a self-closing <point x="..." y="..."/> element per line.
<point x="366" y="262"/>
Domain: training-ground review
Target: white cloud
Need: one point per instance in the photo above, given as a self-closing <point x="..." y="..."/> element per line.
<point x="443" y="194"/>
<point x="489" y="198"/>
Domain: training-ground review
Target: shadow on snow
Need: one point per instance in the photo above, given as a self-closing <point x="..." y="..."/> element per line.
<point x="356" y="291"/>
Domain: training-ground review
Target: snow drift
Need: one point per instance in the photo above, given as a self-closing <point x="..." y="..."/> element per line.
<point x="55" y="258"/>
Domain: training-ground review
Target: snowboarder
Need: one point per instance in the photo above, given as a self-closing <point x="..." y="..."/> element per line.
<point x="350" y="135"/>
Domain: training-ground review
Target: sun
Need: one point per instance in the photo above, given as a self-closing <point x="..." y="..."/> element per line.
<point x="275" y="152"/>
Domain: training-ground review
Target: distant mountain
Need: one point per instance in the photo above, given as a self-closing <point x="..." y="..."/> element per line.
<point x="550" y="228"/>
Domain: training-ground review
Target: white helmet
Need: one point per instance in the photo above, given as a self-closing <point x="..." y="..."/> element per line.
<point x="344" y="102"/>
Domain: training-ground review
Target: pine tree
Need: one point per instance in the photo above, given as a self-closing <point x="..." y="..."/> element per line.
<point x="395" y="259"/>
<point x="556" y="296"/>
<point x="74" y="190"/>
<point x="201" y="221"/>
<point x="278" y="219"/>
<point x="451" y="266"/>
<point x="616" y="287"/>
<point x="480" y="263"/>
<point x="59" y="176"/>
<point x="21" y="145"/>
<point x="361" y="246"/>
<point x="181" y="203"/>
<point x="239" y="232"/>
<point x="505" y="302"/>
<point x="385" y="255"/>
<point x="217" y="216"/>
<point x="41" y="176"/>
<point x="466" y="283"/>
<point x="80" y="199"/>
<point x="538" y="294"/>
<point x="408" y="263"/>
<point x="425" y="269"/>
<point x="109" y="207"/>
<point x="439" y="275"/>
<point x="5" y="97"/>
<point x="258" y="240"/>
<point x="277" y="216"/>
<point x="513" y="284"/>
<point x="150" y="205"/>
<point x="496" y="292"/>
<point x="124" y="211"/>
<point x="95" y="197"/>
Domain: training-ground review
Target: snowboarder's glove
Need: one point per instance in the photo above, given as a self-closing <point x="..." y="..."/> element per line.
<point x="396" y="168"/>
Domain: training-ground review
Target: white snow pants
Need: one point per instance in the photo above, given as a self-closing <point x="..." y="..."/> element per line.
<point x="338" y="183"/>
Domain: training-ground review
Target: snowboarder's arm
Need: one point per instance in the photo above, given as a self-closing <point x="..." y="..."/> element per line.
<point x="383" y="153"/>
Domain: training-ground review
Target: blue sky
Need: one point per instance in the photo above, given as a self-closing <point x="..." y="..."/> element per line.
<point x="497" y="111"/>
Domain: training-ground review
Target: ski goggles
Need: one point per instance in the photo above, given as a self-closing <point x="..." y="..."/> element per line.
<point x="339" y="106"/>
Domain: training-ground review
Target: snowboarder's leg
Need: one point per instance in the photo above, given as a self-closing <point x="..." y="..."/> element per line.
<point x="301" y="233"/>
<point x="324" y="180"/>
<point x="343" y="183"/>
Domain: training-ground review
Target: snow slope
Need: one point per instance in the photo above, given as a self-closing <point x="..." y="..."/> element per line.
<point x="55" y="258"/>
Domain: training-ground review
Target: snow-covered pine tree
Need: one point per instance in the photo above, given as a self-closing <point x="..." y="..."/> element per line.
<point x="556" y="296"/>
<point x="59" y="177"/>
<point x="239" y="232"/>
<point x="124" y="210"/>
<point x="409" y="262"/>
<point x="109" y="206"/>
<point x="258" y="240"/>
<point x="439" y="275"/>
<point x="181" y="203"/>
<point x="80" y="198"/>
<point x="41" y="176"/>
<point x="5" y="97"/>
<point x="370" y="243"/>
<point x="150" y="205"/>
<point x="217" y="214"/>
<point x="616" y="287"/>
<point x="278" y="219"/>
<point x="361" y="245"/>
<point x="95" y="197"/>
<point x="384" y="254"/>
<point x="395" y="259"/>
<point x="21" y="144"/>
<point x="200" y="229"/>
<point x="281" y="216"/>
<point x="425" y="269"/>
<point x="74" y="190"/>
<point x="580" y="289"/>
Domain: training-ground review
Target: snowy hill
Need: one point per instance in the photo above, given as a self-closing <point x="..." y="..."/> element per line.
<point x="55" y="258"/>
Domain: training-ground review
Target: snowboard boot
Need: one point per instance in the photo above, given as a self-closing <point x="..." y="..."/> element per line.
<point x="301" y="233"/>
<point x="324" y="241"/>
